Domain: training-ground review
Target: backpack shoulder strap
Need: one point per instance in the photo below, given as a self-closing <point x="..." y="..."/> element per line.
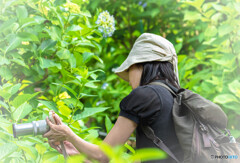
<point x="165" y="86"/>
<point x="148" y="131"/>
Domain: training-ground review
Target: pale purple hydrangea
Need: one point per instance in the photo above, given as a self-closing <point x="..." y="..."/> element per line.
<point x="106" y="24"/>
<point x="105" y="85"/>
<point x="140" y="3"/>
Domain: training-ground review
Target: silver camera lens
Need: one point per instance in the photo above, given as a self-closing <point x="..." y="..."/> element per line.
<point x="33" y="128"/>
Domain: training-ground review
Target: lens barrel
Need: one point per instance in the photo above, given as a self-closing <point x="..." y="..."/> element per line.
<point x="34" y="128"/>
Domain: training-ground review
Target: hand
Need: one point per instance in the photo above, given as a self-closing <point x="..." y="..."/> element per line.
<point x="70" y="149"/>
<point x="57" y="133"/>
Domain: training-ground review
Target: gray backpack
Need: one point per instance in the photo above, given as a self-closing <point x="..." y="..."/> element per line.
<point x="200" y="127"/>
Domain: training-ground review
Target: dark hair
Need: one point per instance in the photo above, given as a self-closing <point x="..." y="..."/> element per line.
<point x="158" y="70"/>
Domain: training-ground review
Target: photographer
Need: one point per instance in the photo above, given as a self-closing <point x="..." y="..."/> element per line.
<point x="152" y="58"/>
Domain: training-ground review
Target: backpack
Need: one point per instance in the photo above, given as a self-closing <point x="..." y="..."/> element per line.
<point x="200" y="127"/>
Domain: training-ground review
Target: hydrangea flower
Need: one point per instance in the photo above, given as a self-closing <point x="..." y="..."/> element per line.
<point x="105" y="85"/>
<point x="72" y="7"/>
<point x="106" y="24"/>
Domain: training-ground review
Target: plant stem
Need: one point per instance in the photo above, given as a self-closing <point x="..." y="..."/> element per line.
<point x="24" y="156"/>
<point x="74" y="108"/>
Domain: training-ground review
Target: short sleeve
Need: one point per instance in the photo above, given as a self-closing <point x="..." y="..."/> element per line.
<point x="141" y="105"/>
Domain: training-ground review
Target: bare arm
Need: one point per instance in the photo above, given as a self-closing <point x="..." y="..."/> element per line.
<point x="119" y="134"/>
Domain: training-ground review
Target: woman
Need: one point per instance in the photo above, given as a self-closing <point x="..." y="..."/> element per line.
<point x="152" y="58"/>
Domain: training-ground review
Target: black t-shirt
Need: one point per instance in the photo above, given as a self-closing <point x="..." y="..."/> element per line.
<point x="152" y="105"/>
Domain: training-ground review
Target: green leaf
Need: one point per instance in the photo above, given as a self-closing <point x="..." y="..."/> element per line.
<point x="4" y="61"/>
<point x="225" y="98"/>
<point x="98" y="46"/>
<point x="59" y="2"/>
<point x="52" y="156"/>
<point x="64" y="54"/>
<point x="28" y="22"/>
<point x="76" y="158"/>
<point x="210" y="31"/>
<point x="8" y="90"/>
<point x="93" y="134"/>
<point x="129" y="148"/>
<point x="14" y="88"/>
<point x="107" y="149"/>
<point x="72" y="61"/>
<point x="196" y="3"/>
<point x="68" y="88"/>
<point x="236" y="46"/>
<point x="147" y="154"/>
<point x="39" y="19"/>
<point x="7" y="25"/>
<point x="225" y="29"/>
<point x="19" y="100"/>
<point x="64" y="110"/>
<point x="72" y="102"/>
<point x="58" y="16"/>
<point x="14" y="43"/>
<point x="22" y="111"/>
<point x="191" y="15"/>
<point x="98" y="59"/>
<point x="74" y="28"/>
<point x="91" y="84"/>
<point x="40" y="148"/>
<point x="29" y="150"/>
<point x="85" y="13"/>
<point x="233" y="106"/>
<point x="47" y="44"/>
<point x="50" y="105"/>
<point x="226" y="60"/>
<point x="89" y="112"/>
<point x="6" y="150"/>
<point x="55" y="33"/>
<point x="87" y="56"/>
<point x="4" y="123"/>
<point x="25" y="36"/>
<point x="19" y="62"/>
<point x="86" y="95"/>
<point x="108" y="124"/>
<point x="21" y="12"/>
<point x="6" y="73"/>
<point x="46" y="63"/>
<point x="178" y="47"/>
<point x="3" y="104"/>
<point x="234" y="87"/>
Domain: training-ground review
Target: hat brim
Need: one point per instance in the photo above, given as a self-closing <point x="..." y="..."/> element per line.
<point x="122" y="71"/>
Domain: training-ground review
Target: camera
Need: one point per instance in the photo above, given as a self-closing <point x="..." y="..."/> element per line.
<point x="34" y="128"/>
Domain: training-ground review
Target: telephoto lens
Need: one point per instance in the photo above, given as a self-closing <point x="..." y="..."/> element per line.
<point x="34" y="128"/>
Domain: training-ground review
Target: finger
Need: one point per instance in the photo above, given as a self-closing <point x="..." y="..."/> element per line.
<point x="55" y="146"/>
<point x="59" y="149"/>
<point x="47" y="135"/>
<point x="50" y="124"/>
<point x="66" y="142"/>
<point x="52" y="144"/>
<point x="57" y="119"/>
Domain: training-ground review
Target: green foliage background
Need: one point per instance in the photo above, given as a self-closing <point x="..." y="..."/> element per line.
<point x="52" y="57"/>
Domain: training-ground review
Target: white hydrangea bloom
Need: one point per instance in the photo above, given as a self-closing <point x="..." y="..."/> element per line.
<point x="106" y="24"/>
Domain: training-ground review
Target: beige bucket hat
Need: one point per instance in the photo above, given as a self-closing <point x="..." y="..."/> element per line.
<point x="149" y="47"/>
